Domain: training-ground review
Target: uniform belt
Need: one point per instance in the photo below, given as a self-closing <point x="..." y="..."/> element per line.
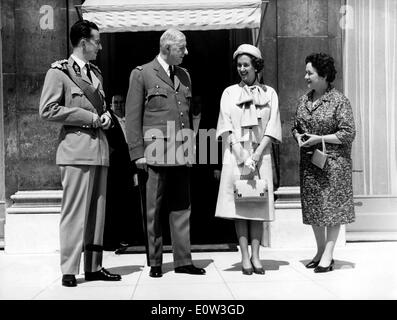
<point x="73" y="128"/>
<point x="91" y="131"/>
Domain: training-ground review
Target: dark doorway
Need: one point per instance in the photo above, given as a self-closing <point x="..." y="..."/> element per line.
<point x="209" y="63"/>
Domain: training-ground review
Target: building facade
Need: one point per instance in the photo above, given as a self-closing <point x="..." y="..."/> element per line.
<point x="35" y="33"/>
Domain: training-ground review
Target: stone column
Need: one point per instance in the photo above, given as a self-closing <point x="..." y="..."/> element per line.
<point x="36" y="33"/>
<point x="33" y="222"/>
<point x="303" y="27"/>
<point x="293" y="30"/>
<point x="2" y="185"/>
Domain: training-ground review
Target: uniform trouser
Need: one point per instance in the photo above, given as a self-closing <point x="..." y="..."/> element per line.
<point x="170" y="185"/>
<point x="82" y="217"/>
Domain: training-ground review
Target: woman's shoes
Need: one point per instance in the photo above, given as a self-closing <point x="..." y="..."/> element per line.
<point x="312" y="264"/>
<point x="320" y="269"/>
<point x="259" y="270"/>
<point x="252" y="270"/>
<point x="248" y="271"/>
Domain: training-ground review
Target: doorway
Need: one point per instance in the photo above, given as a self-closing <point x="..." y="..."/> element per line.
<point x="210" y="65"/>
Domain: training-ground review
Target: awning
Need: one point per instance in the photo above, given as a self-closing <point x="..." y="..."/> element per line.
<point x="158" y="15"/>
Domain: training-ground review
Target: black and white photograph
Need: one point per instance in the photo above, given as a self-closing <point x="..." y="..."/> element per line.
<point x="198" y="156"/>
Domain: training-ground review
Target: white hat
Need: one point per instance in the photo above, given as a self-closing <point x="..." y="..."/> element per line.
<point x="248" y="48"/>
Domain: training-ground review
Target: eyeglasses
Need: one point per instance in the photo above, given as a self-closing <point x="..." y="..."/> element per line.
<point x="97" y="42"/>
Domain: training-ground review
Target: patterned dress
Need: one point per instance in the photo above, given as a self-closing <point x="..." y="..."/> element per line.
<point x="326" y="194"/>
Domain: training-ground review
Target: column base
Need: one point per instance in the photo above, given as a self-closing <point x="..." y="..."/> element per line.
<point x="32" y="222"/>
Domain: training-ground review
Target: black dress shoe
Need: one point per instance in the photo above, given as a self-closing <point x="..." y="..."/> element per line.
<point x="190" y="269"/>
<point x="103" y="275"/>
<point x="247" y="272"/>
<point x="312" y="264"/>
<point x="155" y="272"/>
<point x="69" y="280"/>
<point x="320" y="269"/>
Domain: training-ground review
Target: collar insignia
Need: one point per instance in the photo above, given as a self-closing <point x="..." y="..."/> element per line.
<point x="76" y="69"/>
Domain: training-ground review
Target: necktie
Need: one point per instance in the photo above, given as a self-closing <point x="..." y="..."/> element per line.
<point x="88" y="72"/>
<point x="172" y="74"/>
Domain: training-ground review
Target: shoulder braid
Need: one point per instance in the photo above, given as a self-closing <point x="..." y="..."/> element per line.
<point x="59" y="64"/>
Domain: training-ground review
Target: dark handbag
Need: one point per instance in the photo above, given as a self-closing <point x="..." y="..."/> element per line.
<point x="319" y="158"/>
<point x="250" y="190"/>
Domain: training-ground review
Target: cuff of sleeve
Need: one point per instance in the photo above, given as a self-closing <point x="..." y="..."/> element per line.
<point x="343" y="137"/>
<point x="136" y="152"/>
<point x="274" y="139"/>
<point x="220" y="133"/>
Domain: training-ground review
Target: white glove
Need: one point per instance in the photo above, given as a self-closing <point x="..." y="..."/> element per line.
<point x="250" y="163"/>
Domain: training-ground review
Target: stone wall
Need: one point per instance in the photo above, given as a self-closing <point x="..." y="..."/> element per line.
<point x="2" y="185"/>
<point x="293" y="29"/>
<point x="31" y="41"/>
<point x="34" y="40"/>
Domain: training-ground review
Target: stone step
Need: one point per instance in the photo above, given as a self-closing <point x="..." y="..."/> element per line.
<point x="37" y="198"/>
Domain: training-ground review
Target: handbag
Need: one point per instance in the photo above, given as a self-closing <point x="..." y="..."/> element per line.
<point x="320" y="157"/>
<point x="250" y="190"/>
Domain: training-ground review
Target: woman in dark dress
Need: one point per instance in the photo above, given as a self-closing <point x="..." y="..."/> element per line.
<point x="327" y="193"/>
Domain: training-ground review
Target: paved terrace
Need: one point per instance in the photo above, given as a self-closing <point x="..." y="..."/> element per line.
<point x="364" y="270"/>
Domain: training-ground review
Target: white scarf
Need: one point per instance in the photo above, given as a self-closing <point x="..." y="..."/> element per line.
<point x="251" y="98"/>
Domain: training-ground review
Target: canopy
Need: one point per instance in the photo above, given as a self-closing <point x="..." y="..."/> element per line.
<point x="158" y="15"/>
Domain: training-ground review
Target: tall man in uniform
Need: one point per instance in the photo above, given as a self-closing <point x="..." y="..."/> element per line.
<point x="159" y="116"/>
<point x="73" y="96"/>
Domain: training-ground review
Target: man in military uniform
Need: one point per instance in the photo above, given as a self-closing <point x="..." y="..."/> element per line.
<point x="73" y="96"/>
<point x="159" y="123"/>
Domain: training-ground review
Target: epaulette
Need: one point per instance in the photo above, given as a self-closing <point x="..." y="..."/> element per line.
<point x="60" y="64"/>
<point x="184" y="69"/>
<point x="140" y="68"/>
<point x="95" y="67"/>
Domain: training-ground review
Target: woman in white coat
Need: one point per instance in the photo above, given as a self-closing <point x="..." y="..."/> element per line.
<point x="249" y="121"/>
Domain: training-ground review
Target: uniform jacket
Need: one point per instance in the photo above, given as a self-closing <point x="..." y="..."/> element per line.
<point x="159" y="116"/>
<point x="64" y="102"/>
